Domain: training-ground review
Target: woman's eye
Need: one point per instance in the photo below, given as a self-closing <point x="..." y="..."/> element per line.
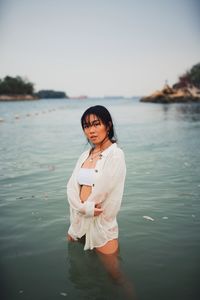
<point x="96" y="124"/>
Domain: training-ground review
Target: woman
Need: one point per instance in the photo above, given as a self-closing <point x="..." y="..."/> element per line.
<point x="96" y="186"/>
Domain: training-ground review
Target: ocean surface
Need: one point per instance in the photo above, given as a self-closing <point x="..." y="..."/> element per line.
<point x="159" y="220"/>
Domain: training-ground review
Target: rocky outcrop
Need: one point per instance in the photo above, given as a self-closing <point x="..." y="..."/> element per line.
<point x="174" y="95"/>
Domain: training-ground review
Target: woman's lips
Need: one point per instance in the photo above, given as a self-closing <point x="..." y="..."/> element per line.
<point x="93" y="137"/>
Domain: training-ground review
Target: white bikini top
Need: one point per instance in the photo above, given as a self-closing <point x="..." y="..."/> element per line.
<point x="85" y="176"/>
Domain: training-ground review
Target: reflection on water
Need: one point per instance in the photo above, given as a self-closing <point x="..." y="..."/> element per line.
<point x="86" y="273"/>
<point x="189" y="112"/>
<point x="97" y="275"/>
<point x="182" y="111"/>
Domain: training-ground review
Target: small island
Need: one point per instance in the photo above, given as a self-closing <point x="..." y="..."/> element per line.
<point x="17" y="88"/>
<point x="187" y="89"/>
<point x="51" y="94"/>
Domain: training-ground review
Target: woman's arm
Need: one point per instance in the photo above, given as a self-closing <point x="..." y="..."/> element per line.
<point x="86" y="208"/>
<point x="73" y="190"/>
<point x="111" y="184"/>
<point x="111" y="181"/>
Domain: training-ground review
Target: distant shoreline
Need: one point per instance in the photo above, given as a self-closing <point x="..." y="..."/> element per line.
<point x="169" y="95"/>
<point x="17" y="97"/>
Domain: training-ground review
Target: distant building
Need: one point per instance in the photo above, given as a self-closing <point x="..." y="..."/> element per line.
<point x="81" y="97"/>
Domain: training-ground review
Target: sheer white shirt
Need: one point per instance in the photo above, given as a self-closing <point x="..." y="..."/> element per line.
<point x="107" y="190"/>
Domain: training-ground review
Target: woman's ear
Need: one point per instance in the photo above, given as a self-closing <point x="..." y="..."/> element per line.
<point x="109" y="127"/>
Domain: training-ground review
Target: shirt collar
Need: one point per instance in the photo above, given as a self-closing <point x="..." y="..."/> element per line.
<point x="104" y="153"/>
<point x="107" y="150"/>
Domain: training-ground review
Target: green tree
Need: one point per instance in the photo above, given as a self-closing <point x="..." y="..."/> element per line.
<point x="15" y="86"/>
<point x="194" y="75"/>
<point x="191" y="77"/>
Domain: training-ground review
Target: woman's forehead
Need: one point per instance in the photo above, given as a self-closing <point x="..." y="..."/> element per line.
<point x="91" y="118"/>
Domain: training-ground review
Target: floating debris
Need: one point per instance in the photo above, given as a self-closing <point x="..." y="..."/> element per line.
<point x="51" y="168"/>
<point x="193" y="216"/>
<point x="1" y="120"/>
<point x="19" y="197"/>
<point x="17" y="116"/>
<point x="63" y="294"/>
<point x="148" y="218"/>
<point x="165" y="218"/>
<point x="21" y="291"/>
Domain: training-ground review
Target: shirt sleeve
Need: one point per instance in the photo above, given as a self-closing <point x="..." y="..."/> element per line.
<point x="116" y="171"/>
<point x="86" y="208"/>
<point x="111" y="185"/>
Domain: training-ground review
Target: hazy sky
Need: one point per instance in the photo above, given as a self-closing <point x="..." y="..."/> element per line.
<point x="99" y="47"/>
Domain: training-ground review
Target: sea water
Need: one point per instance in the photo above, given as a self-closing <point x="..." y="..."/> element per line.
<point x="159" y="219"/>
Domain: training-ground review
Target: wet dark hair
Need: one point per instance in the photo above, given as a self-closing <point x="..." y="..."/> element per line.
<point x="103" y="114"/>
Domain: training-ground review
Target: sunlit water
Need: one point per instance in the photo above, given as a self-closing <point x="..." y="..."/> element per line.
<point x="159" y="253"/>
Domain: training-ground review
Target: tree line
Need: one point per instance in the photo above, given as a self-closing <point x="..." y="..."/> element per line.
<point x="16" y="86"/>
<point x="191" y="77"/>
<point x="13" y="86"/>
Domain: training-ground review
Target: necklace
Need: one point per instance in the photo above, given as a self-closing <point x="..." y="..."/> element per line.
<point x="92" y="157"/>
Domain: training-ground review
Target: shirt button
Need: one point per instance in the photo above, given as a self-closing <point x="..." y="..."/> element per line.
<point x="96" y="171"/>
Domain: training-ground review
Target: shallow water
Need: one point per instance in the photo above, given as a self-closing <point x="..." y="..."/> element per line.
<point x="159" y="253"/>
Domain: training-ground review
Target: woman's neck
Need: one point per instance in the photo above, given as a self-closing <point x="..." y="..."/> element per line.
<point x="103" y="145"/>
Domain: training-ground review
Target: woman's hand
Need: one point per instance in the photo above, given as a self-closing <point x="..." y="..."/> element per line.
<point x="97" y="210"/>
<point x="69" y="238"/>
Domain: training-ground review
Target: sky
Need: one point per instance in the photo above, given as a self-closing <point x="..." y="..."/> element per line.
<point x="99" y="47"/>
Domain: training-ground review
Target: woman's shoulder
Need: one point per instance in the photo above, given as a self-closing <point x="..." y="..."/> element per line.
<point x="117" y="151"/>
<point x="116" y="158"/>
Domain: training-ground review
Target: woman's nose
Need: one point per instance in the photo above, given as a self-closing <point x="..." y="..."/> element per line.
<point x="91" y="128"/>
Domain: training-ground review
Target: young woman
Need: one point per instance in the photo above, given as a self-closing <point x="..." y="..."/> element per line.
<point x="95" y="188"/>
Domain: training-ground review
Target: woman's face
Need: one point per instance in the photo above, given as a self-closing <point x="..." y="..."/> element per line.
<point x="94" y="129"/>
